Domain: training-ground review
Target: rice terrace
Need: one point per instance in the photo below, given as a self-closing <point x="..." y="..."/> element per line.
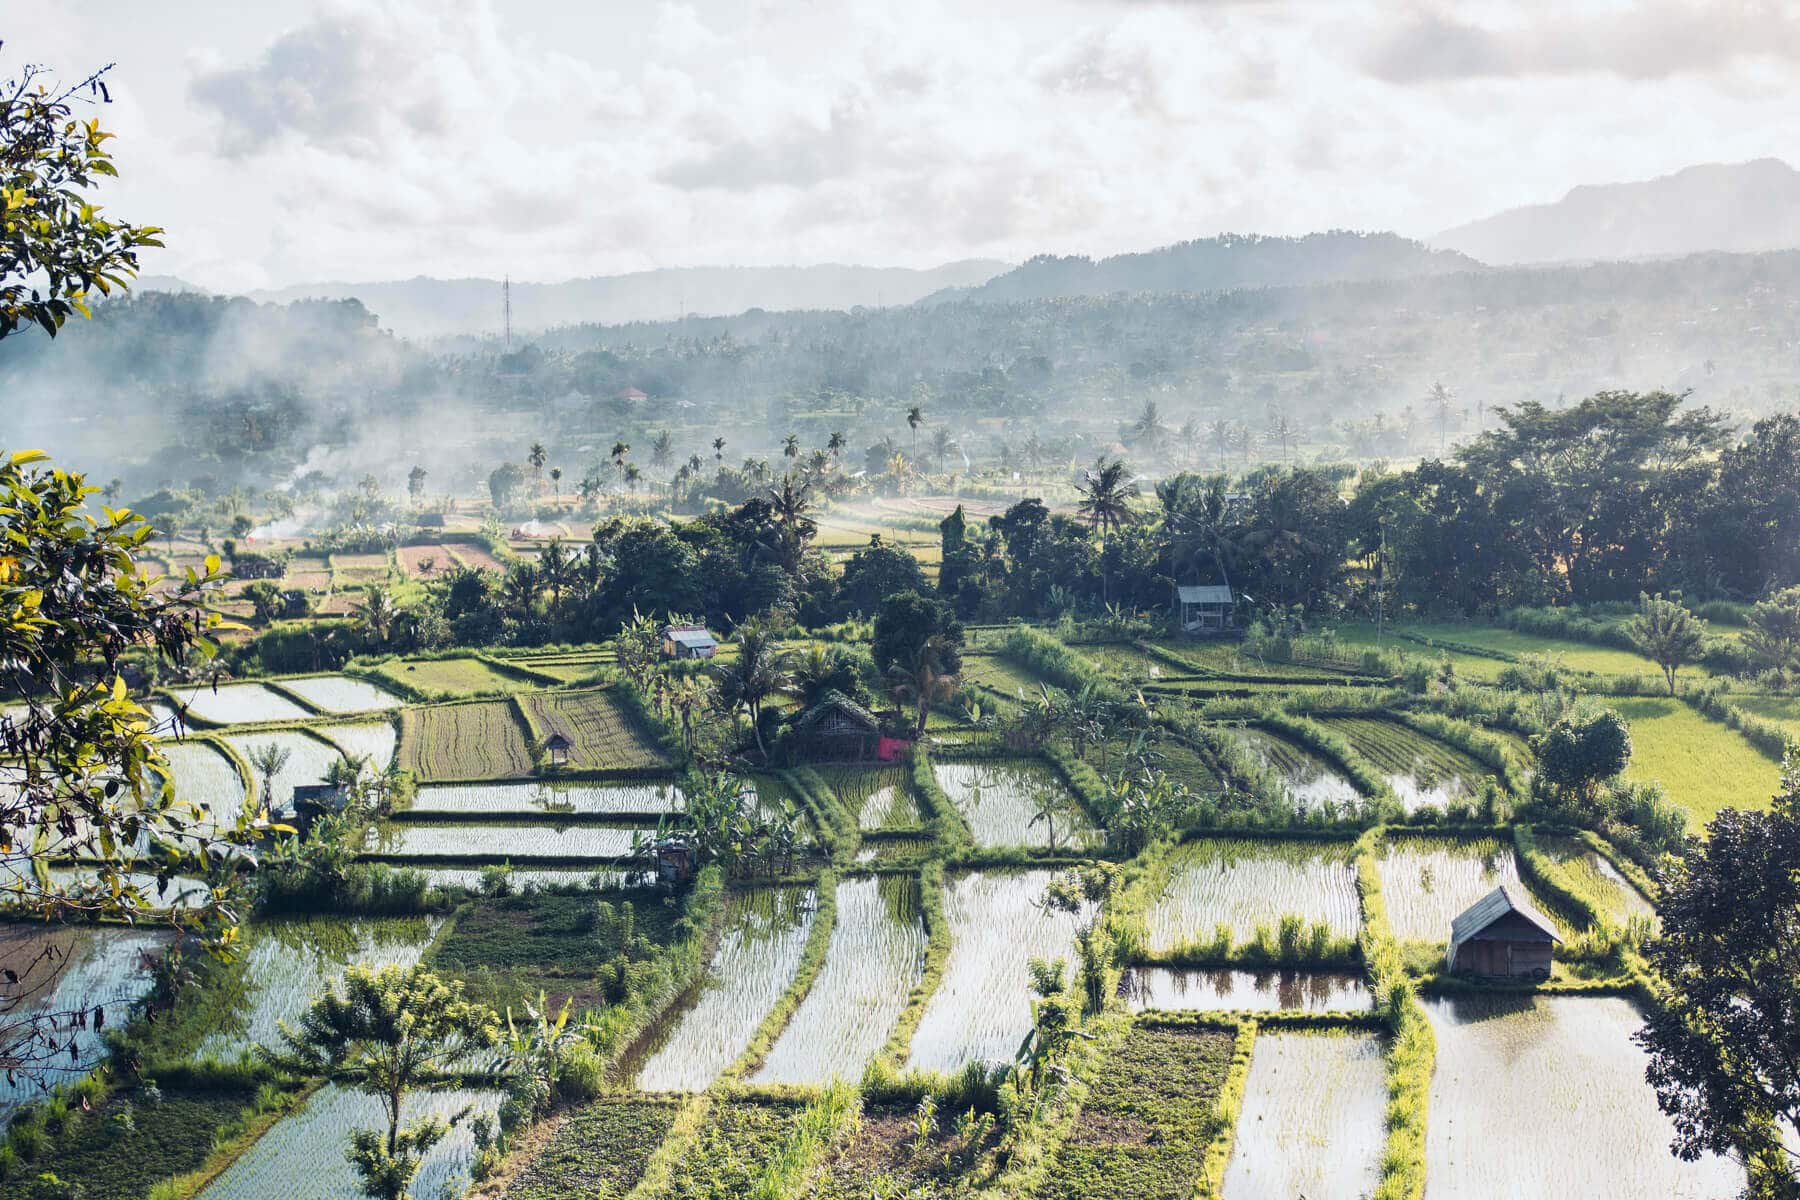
<point x="949" y="672"/>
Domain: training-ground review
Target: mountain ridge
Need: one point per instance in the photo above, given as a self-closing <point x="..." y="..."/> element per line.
<point x="1741" y="208"/>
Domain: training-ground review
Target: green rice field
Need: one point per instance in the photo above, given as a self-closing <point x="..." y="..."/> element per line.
<point x="1179" y="989"/>
<point x="465" y="742"/>
<point x="466" y="676"/>
<point x="1311" y="1122"/>
<point x="1591" y="871"/>
<point x="1247" y="883"/>
<point x="204" y="777"/>
<point x="1703" y="765"/>
<point x="1784" y="711"/>
<point x="879" y="799"/>
<point x="1543" y="1097"/>
<point x="606" y="737"/>
<point x="1421" y="770"/>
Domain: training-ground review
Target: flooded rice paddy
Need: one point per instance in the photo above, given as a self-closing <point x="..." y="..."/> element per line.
<point x="1312" y="1123"/>
<point x="647" y="798"/>
<point x="1309" y="782"/>
<point x="290" y="962"/>
<point x="509" y="843"/>
<point x="876" y="955"/>
<point x="1246" y="883"/>
<point x="301" y="1157"/>
<point x="1004" y="803"/>
<point x="1543" y="1097"/>
<point x="1421" y="770"/>
<point x="1427" y="882"/>
<point x="1199" y="989"/>
<point x="982" y="1007"/>
<point x="765" y="933"/>
<point x="341" y="694"/>
<point x="238" y="703"/>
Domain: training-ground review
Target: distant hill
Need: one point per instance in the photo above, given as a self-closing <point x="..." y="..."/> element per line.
<point x="1741" y="207"/>
<point x="1218" y="264"/>
<point x="425" y="307"/>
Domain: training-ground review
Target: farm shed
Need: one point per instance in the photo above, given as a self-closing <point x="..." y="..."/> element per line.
<point x="688" y="641"/>
<point x="1501" y="936"/>
<point x="1206" y="609"/>
<point x="559" y="744"/>
<point x="314" y="800"/>
<point x="838" y="729"/>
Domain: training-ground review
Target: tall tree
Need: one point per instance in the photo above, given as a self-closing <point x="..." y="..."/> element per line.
<point x="1724" y="1036"/>
<point x="662" y="449"/>
<point x="915" y="417"/>
<point x="1442" y="403"/>
<point x="1106" y="491"/>
<point x="537" y="457"/>
<point x="1667" y="634"/>
<point x="619" y="450"/>
<point x="390" y="1033"/>
<point x="1772" y="634"/>
<point x="790" y="446"/>
<point x="415" y="483"/>
<point x="760" y="673"/>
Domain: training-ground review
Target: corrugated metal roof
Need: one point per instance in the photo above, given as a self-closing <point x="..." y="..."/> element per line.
<point x="692" y="637"/>
<point x="1490" y="908"/>
<point x="1210" y="593"/>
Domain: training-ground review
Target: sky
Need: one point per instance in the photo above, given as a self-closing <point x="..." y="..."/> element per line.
<point x="305" y="140"/>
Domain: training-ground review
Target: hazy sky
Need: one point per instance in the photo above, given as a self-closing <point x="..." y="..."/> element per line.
<point x="288" y="141"/>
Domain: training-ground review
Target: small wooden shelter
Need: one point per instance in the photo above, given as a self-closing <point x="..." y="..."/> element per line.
<point x="1206" y="610"/>
<point x="688" y="641"/>
<point x="314" y="800"/>
<point x="1502" y="936"/>
<point x="838" y="729"/>
<point x="558" y="745"/>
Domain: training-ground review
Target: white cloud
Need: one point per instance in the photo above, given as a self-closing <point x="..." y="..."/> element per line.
<point x="459" y="137"/>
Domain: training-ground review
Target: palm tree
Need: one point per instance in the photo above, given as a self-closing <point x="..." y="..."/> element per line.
<point x="789" y="506"/>
<point x="719" y="449"/>
<point x="915" y="417"/>
<point x="1441" y="400"/>
<point x="269" y="759"/>
<point x="922" y="679"/>
<point x="836" y="442"/>
<point x="620" y="449"/>
<point x="1219" y="433"/>
<point x="1244" y="438"/>
<point x="521" y="588"/>
<point x="759" y="675"/>
<point x="376" y="612"/>
<point x="1148" y="429"/>
<point x="662" y="450"/>
<point x="790" y="446"/>
<point x="556" y="481"/>
<point x="632" y="475"/>
<point x="941" y="446"/>
<point x="346" y="771"/>
<point x="1282" y="429"/>
<point x="556" y="568"/>
<point x="902" y="471"/>
<point x="1188" y="435"/>
<point x="1034" y="450"/>
<point x="537" y="458"/>
<point x="1106" y="490"/>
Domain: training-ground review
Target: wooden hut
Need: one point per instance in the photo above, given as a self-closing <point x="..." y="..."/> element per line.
<point x="1206" y="610"/>
<point x="1502" y="936"/>
<point x="688" y="641"/>
<point x="838" y="729"/>
<point x="558" y="744"/>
